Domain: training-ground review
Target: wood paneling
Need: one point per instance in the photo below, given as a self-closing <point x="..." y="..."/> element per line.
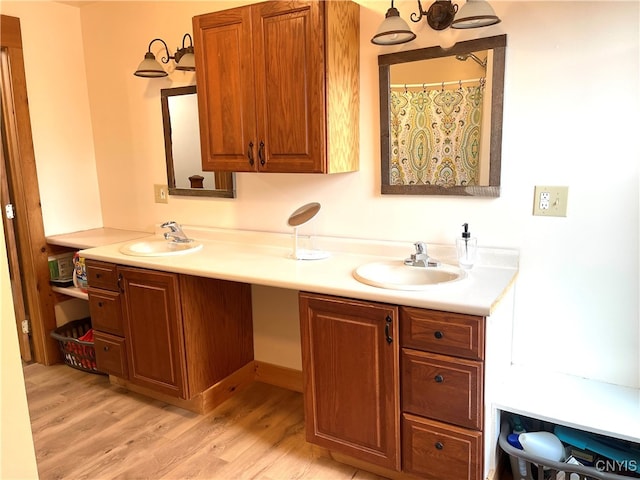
<point x="343" y="85"/>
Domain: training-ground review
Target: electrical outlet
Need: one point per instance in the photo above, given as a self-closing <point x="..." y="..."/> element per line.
<point x="161" y="193"/>
<point x="550" y="201"/>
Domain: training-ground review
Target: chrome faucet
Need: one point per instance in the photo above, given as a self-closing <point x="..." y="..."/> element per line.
<point x="175" y="232"/>
<point x="421" y="258"/>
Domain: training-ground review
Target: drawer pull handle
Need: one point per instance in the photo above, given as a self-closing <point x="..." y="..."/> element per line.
<point x="98" y="275"/>
<point x="439" y="445"/>
<point x="439" y="378"/>
<point x="106" y="348"/>
<point x="438" y="334"/>
<point x="100" y="304"/>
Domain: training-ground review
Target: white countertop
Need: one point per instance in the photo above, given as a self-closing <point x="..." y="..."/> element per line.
<point x="263" y="258"/>
<point x="95" y="237"/>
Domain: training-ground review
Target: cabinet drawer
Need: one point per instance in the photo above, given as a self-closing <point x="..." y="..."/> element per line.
<point x="436" y="451"/>
<point x="111" y="354"/>
<point x="102" y="275"/>
<point x="443" y="388"/>
<point x="442" y="332"/>
<point x="106" y="311"/>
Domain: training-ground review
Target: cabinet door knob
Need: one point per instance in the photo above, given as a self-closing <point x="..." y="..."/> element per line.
<point x="106" y="348"/>
<point x="438" y="334"/>
<point x="439" y="378"/>
<point x="100" y="304"/>
<point x="439" y="445"/>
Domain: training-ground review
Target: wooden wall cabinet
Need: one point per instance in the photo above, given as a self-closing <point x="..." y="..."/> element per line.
<point x="278" y="87"/>
<point x="350" y="367"/>
<point x="173" y="334"/>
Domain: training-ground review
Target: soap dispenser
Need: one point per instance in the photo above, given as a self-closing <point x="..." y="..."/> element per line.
<point x="467" y="247"/>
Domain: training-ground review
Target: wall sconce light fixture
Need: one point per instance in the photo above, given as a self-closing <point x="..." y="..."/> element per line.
<point x="443" y="14"/>
<point x="475" y="14"/>
<point x="184" y="58"/>
<point x="393" y="30"/>
<point x="440" y="15"/>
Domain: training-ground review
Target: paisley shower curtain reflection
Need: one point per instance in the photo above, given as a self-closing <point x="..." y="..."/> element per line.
<point x="435" y="136"/>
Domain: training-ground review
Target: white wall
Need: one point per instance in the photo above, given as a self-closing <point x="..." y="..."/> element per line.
<point x="60" y="117"/>
<point x="570" y="118"/>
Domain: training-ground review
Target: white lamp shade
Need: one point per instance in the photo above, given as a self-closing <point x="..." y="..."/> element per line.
<point x="150" y="68"/>
<point x="187" y="62"/>
<point x="474" y="14"/>
<point x="393" y="30"/>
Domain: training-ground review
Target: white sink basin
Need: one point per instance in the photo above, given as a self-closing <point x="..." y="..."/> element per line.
<point x="395" y="275"/>
<point x="159" y="247"/>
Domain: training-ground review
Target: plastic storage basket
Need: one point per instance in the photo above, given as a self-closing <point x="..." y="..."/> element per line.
<point x="542" y="469"/>
<point x="76" y="353"/>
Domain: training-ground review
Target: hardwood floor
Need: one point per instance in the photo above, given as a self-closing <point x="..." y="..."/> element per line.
<point x="86" y="428"/>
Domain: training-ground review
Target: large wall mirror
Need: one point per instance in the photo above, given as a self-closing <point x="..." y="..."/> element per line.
<point x="182" y="148"/>
<point x="441" y="119"/>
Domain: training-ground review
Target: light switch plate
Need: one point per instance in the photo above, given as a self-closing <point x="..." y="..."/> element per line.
<point x="550" y="201"/>
<point x="161" y="193"/>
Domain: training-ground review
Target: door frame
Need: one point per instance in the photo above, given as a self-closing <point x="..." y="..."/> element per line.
<point x="31" y="245"/>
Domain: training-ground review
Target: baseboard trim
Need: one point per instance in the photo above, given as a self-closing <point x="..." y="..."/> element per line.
<point x="279" y="376"/>
<point x="215" y="395"/>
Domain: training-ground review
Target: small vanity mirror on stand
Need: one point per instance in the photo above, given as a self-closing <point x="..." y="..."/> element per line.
<point x="298" y="218"/>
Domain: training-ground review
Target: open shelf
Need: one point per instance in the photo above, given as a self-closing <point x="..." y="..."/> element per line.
<point x="71" y="292"/>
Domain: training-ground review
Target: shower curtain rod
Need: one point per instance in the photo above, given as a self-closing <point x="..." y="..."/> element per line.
<point x="441" y="84"/>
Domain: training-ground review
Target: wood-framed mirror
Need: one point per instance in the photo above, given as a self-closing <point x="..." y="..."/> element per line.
<point x="182" y="148"/>
<point x="441" y="119"/>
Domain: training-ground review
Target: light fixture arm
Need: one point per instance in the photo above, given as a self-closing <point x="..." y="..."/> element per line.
<point x="166" y="48"/>
<point x="416" y="18"/>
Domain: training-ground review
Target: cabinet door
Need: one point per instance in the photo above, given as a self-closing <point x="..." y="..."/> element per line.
<point x="153" y="327"/>
<point x="350" y="365"/>
<point x="226" y="99"/>
<point x="288" y="39"/>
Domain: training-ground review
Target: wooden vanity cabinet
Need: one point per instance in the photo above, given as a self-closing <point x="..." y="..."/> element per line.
<point x="350" y="365"/>
<point x="173" y="334"/>
<point x="278" y="87"/>
<point x="442" y="384"/>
